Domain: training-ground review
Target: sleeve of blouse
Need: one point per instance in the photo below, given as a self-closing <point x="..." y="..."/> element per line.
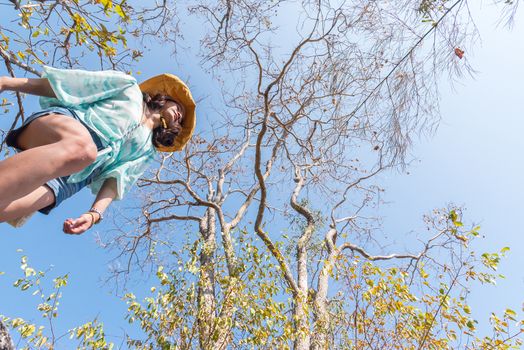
<point x="73" y="87"/>
<point x="126" y="175"/>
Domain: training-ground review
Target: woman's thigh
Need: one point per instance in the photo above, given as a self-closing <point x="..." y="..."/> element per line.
<point x="50" y="129"/>
<point x="36" y="200"/>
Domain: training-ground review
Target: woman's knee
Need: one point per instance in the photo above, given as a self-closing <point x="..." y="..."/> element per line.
<point x="78" y="152"/>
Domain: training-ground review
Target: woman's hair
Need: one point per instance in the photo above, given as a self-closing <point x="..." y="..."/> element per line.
<point x="161" y="136"/>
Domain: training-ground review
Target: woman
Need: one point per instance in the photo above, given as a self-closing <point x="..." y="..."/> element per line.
<point x="97" y="129"/>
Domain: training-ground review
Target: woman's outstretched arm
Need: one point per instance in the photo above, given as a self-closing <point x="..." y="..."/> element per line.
<point x="105" y="196"/>
<point x="38" y="86"/>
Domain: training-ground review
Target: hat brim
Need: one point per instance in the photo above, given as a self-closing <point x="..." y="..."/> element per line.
<point x="173" y="86"/>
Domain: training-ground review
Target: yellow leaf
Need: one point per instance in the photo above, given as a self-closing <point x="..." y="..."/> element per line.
<point x="120" y="12"/>
<point x="27" y="330"/>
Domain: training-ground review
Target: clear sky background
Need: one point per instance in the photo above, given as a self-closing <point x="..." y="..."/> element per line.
<point x="474" y="159"/>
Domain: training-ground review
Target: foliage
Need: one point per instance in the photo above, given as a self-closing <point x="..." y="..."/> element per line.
<point x="35" y="336"/>
<point x="169" y="317"/>
<point x="391" y="307"/>
<point x="376" y="306"/>
<point x="61" y="32"/>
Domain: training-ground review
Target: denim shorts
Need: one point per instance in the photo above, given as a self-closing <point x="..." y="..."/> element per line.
<point x="60" y="187"/>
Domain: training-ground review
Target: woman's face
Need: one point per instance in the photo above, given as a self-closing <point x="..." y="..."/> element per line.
<point x="173" y="113"/>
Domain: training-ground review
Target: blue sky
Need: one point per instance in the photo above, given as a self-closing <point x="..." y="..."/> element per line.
<point x="474" y="159"/>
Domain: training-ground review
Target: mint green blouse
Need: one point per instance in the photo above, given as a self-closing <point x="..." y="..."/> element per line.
<point x="110" y="103"/>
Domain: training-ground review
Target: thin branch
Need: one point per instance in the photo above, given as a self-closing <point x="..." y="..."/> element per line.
<point x="408" y="54"/>
<point x="368" y="256"/>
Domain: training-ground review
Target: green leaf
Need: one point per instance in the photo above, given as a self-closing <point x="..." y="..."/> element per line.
<point x="475" y="231"/>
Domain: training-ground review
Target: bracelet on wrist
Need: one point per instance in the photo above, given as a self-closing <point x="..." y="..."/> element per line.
<point x="100" y="216"/>
<point x="92" y="219"/>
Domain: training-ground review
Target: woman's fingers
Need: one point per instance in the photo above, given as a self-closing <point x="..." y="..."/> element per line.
<point x="79" y="225"/>
<point x="68" y="223"/>
<point x="75" y="229"/>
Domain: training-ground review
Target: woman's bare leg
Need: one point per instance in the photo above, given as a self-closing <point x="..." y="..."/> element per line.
<point x="54" y="146"/>
<point x="40" y="198"/>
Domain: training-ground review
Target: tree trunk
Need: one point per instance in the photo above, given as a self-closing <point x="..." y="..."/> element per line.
<point x="223" y="333"/>
<point x="321" y="324"/>
<point x="301" y="312"/>
<point x="301" y="309"/>
<point x="214" y="329"/>
<point x="5" y="339"/>
<point x="206" y="286"/>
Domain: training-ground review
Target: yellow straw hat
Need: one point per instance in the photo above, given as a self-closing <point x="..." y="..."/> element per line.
<point x="171" y="85"/>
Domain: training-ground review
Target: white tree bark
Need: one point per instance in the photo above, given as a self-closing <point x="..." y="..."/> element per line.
<point x="301" y="310"/>
<point x="322" y="319"/>
<point x="6" y="343"/>
<point x="206" y="286"/>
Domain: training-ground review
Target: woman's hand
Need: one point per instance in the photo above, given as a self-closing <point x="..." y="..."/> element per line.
<point x="80" y="225"/>
<point x="2" y="84"/>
